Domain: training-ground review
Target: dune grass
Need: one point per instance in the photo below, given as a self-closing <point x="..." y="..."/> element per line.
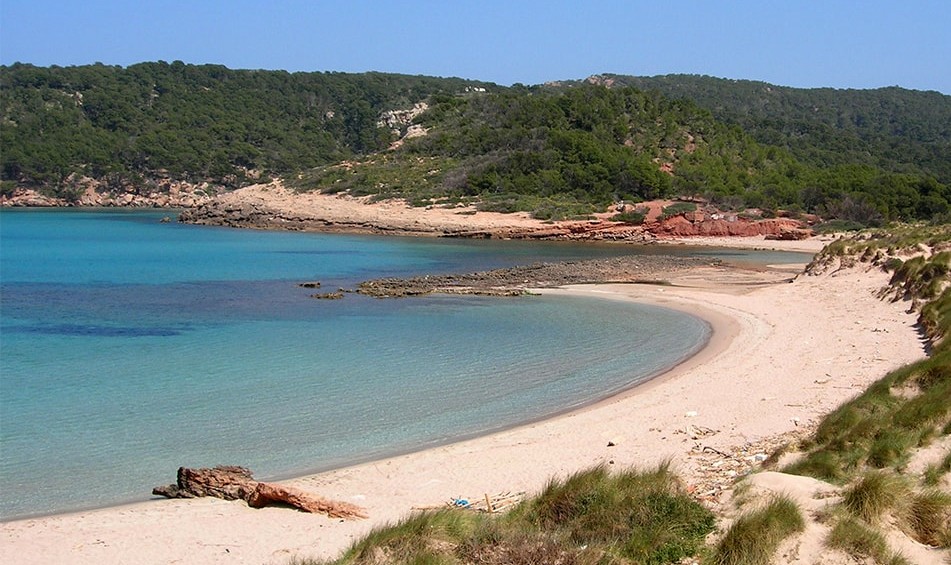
<point x="928" y="518"/>
<point x="867" y="442"/>
<point x="593" y="516"/>
<point x="874" y="495"/>
<point x="881" y="427"/>
<point x="754" y="538"/>
<point x="879" y="498"/>
<point x="857" y="539"/>
<point x="642" y="516"/>
<point x="933" y="474"/>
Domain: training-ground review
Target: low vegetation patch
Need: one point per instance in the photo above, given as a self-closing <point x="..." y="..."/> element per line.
<point x="867" y="442"/>
<point x="590" y="517"/>
<point x="910" y="406"/>
<point x="874" y="495"/>
<point x="678" y="208"/>
<point x="634" y="217"/>
<point x="857" y="539"/>
<point x="754" y="538"/>
<point x="881" y="427"/>
<point x="933" y="474"/>
<point x="391" y="175"/>
<point x="541" y="208"/>
<point x="838" y="226"/>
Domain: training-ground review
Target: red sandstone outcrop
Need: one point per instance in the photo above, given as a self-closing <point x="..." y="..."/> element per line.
<point x="717" y="225"/>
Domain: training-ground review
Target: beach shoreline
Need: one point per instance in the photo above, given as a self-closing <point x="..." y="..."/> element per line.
<point x="828" y="337"/>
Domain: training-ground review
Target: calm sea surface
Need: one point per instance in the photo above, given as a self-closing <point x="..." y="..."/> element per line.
<point x="130" y="347"/>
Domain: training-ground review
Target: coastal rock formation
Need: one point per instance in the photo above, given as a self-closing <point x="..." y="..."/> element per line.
<point x="273" y="206"/>
<point x="28" y="198"/>
<point x="717" y="225"/>
<point x="85" y="191"/>
<point x="516" y="281"/>
<point x="237" y="483"/>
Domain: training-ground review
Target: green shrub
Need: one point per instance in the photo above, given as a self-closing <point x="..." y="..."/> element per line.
<point x="859" y="540"/>
<point x="635" y="218"/>
<point x="933" y="473"/>
<point x="835" y="226"/>
<point x="641" y="516"/>
<point x="678" y="208"/>
<point x="929" y="517"/>
<point x="7" y="188"/>
<point x="876" y="493"/>
<point x="591" y="517"/>
<point x="755" y="537"/>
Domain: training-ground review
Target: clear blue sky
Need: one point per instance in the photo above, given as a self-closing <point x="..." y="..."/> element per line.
<point x="854" y="44"/>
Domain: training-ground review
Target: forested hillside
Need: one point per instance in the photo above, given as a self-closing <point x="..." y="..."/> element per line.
<point x="197" y="122"/>
<point x="565" y="150"/>
<point x="894" y="128"/>
<point x="556" y="150"/>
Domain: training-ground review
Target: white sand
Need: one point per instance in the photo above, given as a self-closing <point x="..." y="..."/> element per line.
<point x="781" y="354"/>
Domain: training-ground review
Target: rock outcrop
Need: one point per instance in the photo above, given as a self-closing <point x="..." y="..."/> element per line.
<point x="719" y="225"/>
<point x="237" y="483"/>
<point x="85" y="191"/>
<point x="516" y="281"/>
<point x="274" y="207"/>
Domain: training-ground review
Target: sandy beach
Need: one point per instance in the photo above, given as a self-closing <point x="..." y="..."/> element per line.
<point x="782" y="355"/>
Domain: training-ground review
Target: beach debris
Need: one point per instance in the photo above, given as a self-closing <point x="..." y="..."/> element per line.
<point x="230" y="482"/>
<point x="488" y="504"/>
<point x="710" y="471"/>
<point x="696" y="432"/>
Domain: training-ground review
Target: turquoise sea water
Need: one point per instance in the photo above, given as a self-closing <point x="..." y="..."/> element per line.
<point x="130" y="347"/>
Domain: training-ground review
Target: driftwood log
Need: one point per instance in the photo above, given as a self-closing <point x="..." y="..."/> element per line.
<point x="237" y="483"/>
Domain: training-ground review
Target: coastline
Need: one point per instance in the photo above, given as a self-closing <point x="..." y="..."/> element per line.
<point x="827" y="337"/>
<point x="274" y="207"/>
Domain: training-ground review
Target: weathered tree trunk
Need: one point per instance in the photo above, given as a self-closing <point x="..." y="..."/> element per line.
<point x="237" y="483"/>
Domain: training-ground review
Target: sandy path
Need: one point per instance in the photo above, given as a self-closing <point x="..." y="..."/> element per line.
<point x="781" y="354"/>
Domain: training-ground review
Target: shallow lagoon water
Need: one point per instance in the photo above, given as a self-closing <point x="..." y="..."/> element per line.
<point x="130" y="347"/>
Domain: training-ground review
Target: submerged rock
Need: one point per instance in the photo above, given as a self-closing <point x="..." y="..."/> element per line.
<point x="516" y="281"/>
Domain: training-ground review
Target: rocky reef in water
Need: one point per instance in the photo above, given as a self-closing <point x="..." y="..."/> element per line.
<point x="517" y="281"/>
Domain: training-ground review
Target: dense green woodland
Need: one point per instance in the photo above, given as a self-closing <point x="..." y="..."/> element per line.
<point x="894" y="128"/>
<point x="557" y="149"/>
<point x="195" y="122"/>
